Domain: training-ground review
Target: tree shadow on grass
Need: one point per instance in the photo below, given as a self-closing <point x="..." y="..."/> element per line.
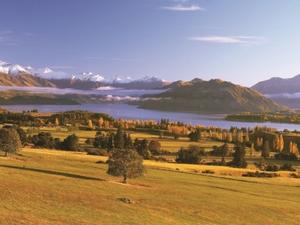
<point x="51" y="172"/>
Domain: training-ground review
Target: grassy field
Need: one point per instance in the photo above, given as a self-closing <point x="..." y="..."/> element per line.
<point x="56" y="187"/>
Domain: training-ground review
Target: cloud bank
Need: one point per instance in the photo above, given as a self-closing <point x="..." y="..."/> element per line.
<point x="229" y="39"/>
<point x="183" y="8"/>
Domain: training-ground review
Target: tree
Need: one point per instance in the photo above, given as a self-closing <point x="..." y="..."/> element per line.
<point x="44" y="140"/>
<point x="195" y="135"/>
<point x="142" y="148"/>
<point x="252" y="149"/>
<point x="70" y="143"/>
<point x="239" y="156"/>
<point x="56" y="122"/>
<point x="9" y="140"/>
<point x="154" y="147"/>
<point x="281" y="143"/>
<point x="224" y="152"/>
<point x="192" y="154"/>
<point x="229" y="137"/>
<point x="126" y="163"/>
<point x="266" y="149"/>
<point x="293" y="149"/>
<point x="90" y="124"/>
<point x="23" y="136"/>
<point x="119" y="138"/>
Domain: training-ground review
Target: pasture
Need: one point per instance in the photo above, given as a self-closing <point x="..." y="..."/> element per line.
<point x="57" y="187"/>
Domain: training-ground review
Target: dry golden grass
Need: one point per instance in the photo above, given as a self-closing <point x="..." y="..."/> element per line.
<point x="57" y="187"/>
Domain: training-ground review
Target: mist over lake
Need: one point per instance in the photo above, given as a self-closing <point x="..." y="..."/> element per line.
<point x="102" y="91"/>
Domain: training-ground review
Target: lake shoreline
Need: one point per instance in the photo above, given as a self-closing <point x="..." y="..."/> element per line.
<point x="126" y="111"/>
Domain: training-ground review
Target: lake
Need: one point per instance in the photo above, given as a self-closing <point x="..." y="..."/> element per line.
<point x="125" y="111"/>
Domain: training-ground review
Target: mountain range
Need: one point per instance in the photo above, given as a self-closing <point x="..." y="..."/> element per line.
<point x="197" y="95"/>
<point x="285" y="91"/>
<point x="17" y="75"/>
<point x="277" y="85"/>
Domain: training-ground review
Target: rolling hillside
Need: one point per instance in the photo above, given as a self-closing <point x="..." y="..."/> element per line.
<point x="214" y="96"/>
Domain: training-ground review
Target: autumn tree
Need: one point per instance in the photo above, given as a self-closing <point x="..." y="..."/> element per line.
<point x="90" y="124"/>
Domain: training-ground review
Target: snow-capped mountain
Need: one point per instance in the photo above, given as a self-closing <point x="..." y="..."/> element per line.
<point x="88" y="77"/>
<point x="119" y="79"/>
<point x="86" y="80"/>
<point x="12" y="69"/>
<point x="150" y="79"/>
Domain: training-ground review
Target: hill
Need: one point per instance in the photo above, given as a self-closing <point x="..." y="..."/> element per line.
<point x="23" y="79"/>
<point x="214" y="96"/>
<point x="13" y="97"/>
<point x="277" y="85"/>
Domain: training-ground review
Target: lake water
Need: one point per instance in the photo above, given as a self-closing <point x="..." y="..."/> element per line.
<point x="118" y="110"/>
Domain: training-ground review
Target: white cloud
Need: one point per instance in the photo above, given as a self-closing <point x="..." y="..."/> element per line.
<point x="183" y="8"/>
<point x="230" y="39"/>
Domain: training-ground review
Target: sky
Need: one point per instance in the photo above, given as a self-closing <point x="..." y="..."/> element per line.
<point x="243" y="41"/>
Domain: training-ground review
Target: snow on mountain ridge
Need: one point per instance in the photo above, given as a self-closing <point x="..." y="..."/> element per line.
<point x="48" y="73"/>
<point x="88" y="76"/>
<point x="12" y="69"/>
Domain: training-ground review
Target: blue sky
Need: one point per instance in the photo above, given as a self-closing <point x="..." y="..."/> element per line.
<point x="243" y="41"/>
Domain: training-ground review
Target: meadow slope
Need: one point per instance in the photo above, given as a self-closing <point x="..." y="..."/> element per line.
<point x="56" y="187"/>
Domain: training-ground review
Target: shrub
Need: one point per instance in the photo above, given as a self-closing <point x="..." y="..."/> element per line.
<point x="287" y="167"/>
<point x="273" y="168"/>
<point x="286" y="156"/>
<point x="93" y="151"/>
<point x="294" y="175"/>
<point x="208" y="171"/>
<point x="260" y="174"/>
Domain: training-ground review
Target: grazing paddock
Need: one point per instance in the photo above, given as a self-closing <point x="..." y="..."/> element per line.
<point x="57" y="187"/>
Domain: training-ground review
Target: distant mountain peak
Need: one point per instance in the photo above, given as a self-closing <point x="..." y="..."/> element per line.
<point x="12" y="69"/>
<point x="278" y="85"/>
<point x="91" y="79"/>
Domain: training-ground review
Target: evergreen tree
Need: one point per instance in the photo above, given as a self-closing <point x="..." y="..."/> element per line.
<point x="266" y="149"/>
<point x="142" y="147"/>
<point x="119" y="138"/>
<point x="239" y="156"/>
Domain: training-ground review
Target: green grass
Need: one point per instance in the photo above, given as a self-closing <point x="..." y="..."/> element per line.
<point x="53" y="187"/>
